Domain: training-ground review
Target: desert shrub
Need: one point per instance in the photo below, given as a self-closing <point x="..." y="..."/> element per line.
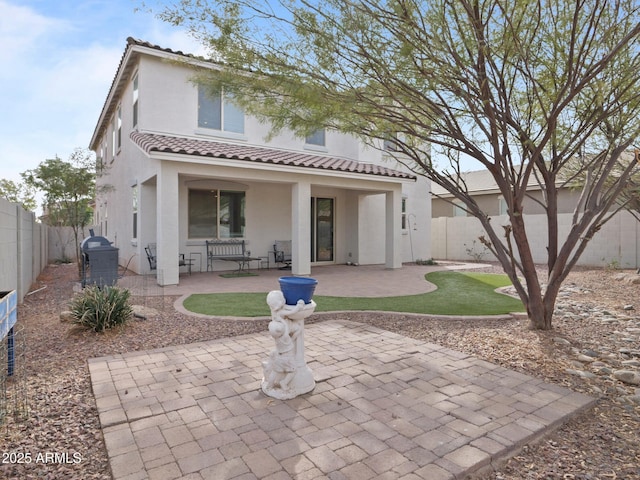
<point x="429" y="261"/>
<point x="101" y="308"/>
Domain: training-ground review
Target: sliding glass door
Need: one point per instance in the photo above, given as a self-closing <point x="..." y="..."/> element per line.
<point x="322" y="220"/>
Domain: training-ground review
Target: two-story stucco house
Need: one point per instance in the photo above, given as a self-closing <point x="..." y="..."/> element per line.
<point x="186" y="167"/>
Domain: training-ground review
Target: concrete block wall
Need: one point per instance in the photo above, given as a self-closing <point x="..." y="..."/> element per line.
<point x="23" y="248"/>
<point x="617" y="244"/>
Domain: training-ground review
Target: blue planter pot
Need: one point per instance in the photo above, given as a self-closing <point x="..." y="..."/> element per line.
<point x="297" y="288"/>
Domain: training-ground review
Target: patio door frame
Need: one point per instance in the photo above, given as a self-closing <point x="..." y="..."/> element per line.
<point x="318" y="231"/>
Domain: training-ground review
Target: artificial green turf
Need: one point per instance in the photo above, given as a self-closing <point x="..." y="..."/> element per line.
<point x="457" y="294"/>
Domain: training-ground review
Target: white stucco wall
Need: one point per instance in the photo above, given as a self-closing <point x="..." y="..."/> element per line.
<point x="168" y="104"/>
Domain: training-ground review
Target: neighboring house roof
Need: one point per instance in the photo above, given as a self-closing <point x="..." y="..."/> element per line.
<point x="482" y="182"/>
<point x="150" y="142"/>
<point x="478" y="182"/>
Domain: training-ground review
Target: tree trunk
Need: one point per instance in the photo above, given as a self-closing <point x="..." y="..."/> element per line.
<point x="539" y="306"/>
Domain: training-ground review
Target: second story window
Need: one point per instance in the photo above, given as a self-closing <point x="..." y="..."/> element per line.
<point x="316" y="138"/>
<point x="459" y="210"/>
<point x="503" y="208"/>
<point x="218" y="112"/>
<point x="117" y="131"/>
<point x="390" y="143"/>
<point x="135" y="101"/>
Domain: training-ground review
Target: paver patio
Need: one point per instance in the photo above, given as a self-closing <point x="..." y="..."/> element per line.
<point x="385" y="406"/>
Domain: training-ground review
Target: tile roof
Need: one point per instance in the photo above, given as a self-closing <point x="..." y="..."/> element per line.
<point x="125" y="67"/>
<point x="150" y="142"/>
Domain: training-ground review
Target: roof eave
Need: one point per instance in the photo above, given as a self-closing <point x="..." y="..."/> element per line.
<point x="270" y="166"/>
<point x="129" y="60"/>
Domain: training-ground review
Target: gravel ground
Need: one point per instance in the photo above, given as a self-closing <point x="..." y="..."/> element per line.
<point x="61" y="437"/>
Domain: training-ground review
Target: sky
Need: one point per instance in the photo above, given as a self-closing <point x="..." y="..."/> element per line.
<point x="57" y="61"/>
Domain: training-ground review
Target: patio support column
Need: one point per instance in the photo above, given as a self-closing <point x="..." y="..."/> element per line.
<point x="147" y="214"/>
<point x="167" y="236"/>
<point x="301" y="229"/>
<point x="393" y="228"/>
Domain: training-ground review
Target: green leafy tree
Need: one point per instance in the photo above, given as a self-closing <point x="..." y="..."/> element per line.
<point x="630" y="196"/>
<point x="515" y="87"/>
<point x="18" y="193"/>
<point x="69" y="189"/>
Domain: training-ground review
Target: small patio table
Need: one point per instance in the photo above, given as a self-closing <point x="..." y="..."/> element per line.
<point x="244" y="262"/>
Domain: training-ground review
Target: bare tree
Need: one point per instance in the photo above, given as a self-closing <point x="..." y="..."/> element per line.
<point x="518" y="88"/>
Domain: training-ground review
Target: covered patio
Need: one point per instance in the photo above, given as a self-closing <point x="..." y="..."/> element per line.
<point x="333" y="280"/>
<point x="332" y="210"/>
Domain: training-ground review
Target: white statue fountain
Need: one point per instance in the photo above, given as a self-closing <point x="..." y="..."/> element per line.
<point x="286" y="374"/>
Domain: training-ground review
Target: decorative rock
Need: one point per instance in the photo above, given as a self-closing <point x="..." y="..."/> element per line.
<point x="142" y="312"/>
<point x="591" y="353"/>
<point x="608" y="321"/>
<point x="597" y="389"/>
<point x="66" y="316"/>
<point x="627" y="376"/>
<point x="631" y="363"/>
<point x="628" y="307"/>
<point x="604" y="371"/>
<point x="580" y="373"/>
<point x="585" y="358"/>
<point x="634" y="399"/>
<point x="561" y="341"/>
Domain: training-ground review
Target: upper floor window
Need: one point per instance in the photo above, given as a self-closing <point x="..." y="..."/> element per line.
<point x="390" y="143"/>
<point x="102" y="158"/>
<point x="316" y="138"/>
<point x="218" y="112"/>
<point x="503" y="208"/>
<point x="459" y="210"/>
<point x="117" y="131"/>
<point x="135" y="100"/>
<point x="105" y="149"/>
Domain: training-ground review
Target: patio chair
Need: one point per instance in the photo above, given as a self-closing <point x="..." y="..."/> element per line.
<point x="282" y="253"/>
<point x="150" y="250"/>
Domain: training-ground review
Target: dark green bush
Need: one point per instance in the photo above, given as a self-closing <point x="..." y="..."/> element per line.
<point x="101" y="308"/>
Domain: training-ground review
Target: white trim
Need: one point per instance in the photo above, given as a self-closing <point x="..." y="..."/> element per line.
<point x="215" y="133"/>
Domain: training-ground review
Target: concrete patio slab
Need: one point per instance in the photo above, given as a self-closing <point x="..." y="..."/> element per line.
<point x="333" y="280"/>
<point x="384" y="405"/>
